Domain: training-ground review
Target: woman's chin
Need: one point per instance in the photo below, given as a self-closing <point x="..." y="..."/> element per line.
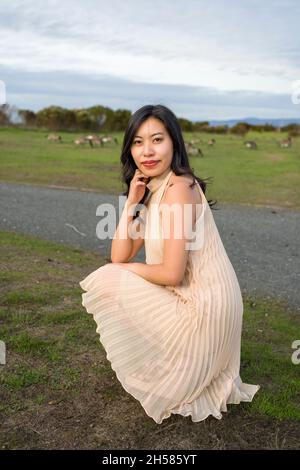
<point x="153" y="171"/>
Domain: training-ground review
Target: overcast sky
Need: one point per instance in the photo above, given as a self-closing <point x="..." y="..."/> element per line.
<point x="204" y="59"/>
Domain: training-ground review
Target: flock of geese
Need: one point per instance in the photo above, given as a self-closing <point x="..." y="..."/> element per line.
<point x="89" y="139"/>
<point x="191" y="147"/>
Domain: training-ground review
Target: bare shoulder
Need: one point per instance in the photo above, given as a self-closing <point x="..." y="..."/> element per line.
<point x="174" y="179"/>
<point x="182" y="186"/>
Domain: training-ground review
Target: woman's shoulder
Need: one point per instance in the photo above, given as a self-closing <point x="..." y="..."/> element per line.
<point x="180" y="186"/>
<point x="175" y="179"/>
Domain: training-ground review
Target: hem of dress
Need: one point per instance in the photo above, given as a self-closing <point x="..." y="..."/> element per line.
<point x="235" y="390"/>
<point x="233" y="397"/>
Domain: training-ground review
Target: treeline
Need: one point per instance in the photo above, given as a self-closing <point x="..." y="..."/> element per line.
<point x="101" y="118"/>
<point x="240" y="128"/>
<point x="56" y="118"/>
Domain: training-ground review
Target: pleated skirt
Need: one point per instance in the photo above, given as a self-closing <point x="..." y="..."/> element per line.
<point x="173" y="356"/>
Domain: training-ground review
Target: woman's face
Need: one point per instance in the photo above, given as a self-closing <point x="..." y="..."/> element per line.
<point x="153" y="143"/>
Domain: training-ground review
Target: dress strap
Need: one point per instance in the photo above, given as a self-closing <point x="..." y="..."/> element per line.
<point x="163" y="187"/>
<point x="201" y="208"/>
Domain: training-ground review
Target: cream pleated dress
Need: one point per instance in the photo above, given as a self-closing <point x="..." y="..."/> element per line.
<point x="175" y="349"/>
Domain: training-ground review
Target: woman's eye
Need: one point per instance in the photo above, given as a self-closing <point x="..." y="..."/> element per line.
<point x="139" y="142"/>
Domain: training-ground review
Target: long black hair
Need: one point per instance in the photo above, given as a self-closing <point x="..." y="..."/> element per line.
<point x="180" y="163"/>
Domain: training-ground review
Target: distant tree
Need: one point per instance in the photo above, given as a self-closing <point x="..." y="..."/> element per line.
<point x="269" y="127"/>
<point x="218" y="129"/>
<point x="101" y="120"/>
<point x="204" y="128"/>
<point x="240" y="128"/>
<point x="99" y="116"/>
<point x="263" y="127"/>
<point x="28" y="117"/>
<point x="4" y="116"/>
<point x="8" y="114"/>
<point x="294" y="131"/>
<point x="83" y="119"/>
<point x="290" y="127"/>
<point x="257" y="127"/>
<point x="186" y="125"/>
<point x="69" y="119"/>
<point x="121" y="118"/>
<point x="52" y="118"/>
<point x="201" y="126"/>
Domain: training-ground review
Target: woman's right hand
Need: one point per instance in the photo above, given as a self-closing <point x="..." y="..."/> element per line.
<point x="137" y="187"/>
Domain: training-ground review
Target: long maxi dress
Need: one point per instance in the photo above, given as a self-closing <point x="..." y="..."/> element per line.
<point x="176" y="349"/>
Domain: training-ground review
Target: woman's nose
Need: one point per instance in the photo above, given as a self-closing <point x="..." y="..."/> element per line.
<point x="148" y="149"/>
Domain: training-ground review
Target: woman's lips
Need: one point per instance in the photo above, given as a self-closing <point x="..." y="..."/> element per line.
<point x="151" y="163"/>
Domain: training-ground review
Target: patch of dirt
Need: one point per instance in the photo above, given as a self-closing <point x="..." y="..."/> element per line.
<point x="274" y="157"/>
<point x="100" y="414"/>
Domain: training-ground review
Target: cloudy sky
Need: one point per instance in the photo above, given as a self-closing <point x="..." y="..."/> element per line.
<point x="204" y="59"/>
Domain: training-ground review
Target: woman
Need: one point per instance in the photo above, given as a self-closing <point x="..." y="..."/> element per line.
<point x="171" y="327"/>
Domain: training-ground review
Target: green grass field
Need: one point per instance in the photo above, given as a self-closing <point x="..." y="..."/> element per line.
<point x="266" y="176"/>
<point x="59" y="391"/>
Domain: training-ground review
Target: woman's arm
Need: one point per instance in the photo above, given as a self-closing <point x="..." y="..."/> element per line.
<point x="123" y="247"/>
<point x="171" y="271"/>
<point x="127" y="238"/>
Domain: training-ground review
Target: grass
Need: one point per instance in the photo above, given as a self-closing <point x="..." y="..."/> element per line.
<point x="267" y="350"/>
<point x="59" y="391"/>
<point x="267" y="176"/>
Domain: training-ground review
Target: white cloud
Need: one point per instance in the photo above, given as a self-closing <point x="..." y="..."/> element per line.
<point x="28" y="90"/>
<point x="220" y="45"/>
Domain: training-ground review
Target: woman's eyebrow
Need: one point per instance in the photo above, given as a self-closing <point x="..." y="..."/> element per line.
<point x="155" y="133"/>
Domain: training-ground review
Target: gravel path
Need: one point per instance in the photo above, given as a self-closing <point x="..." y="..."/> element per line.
<point x="262" y="242"/>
